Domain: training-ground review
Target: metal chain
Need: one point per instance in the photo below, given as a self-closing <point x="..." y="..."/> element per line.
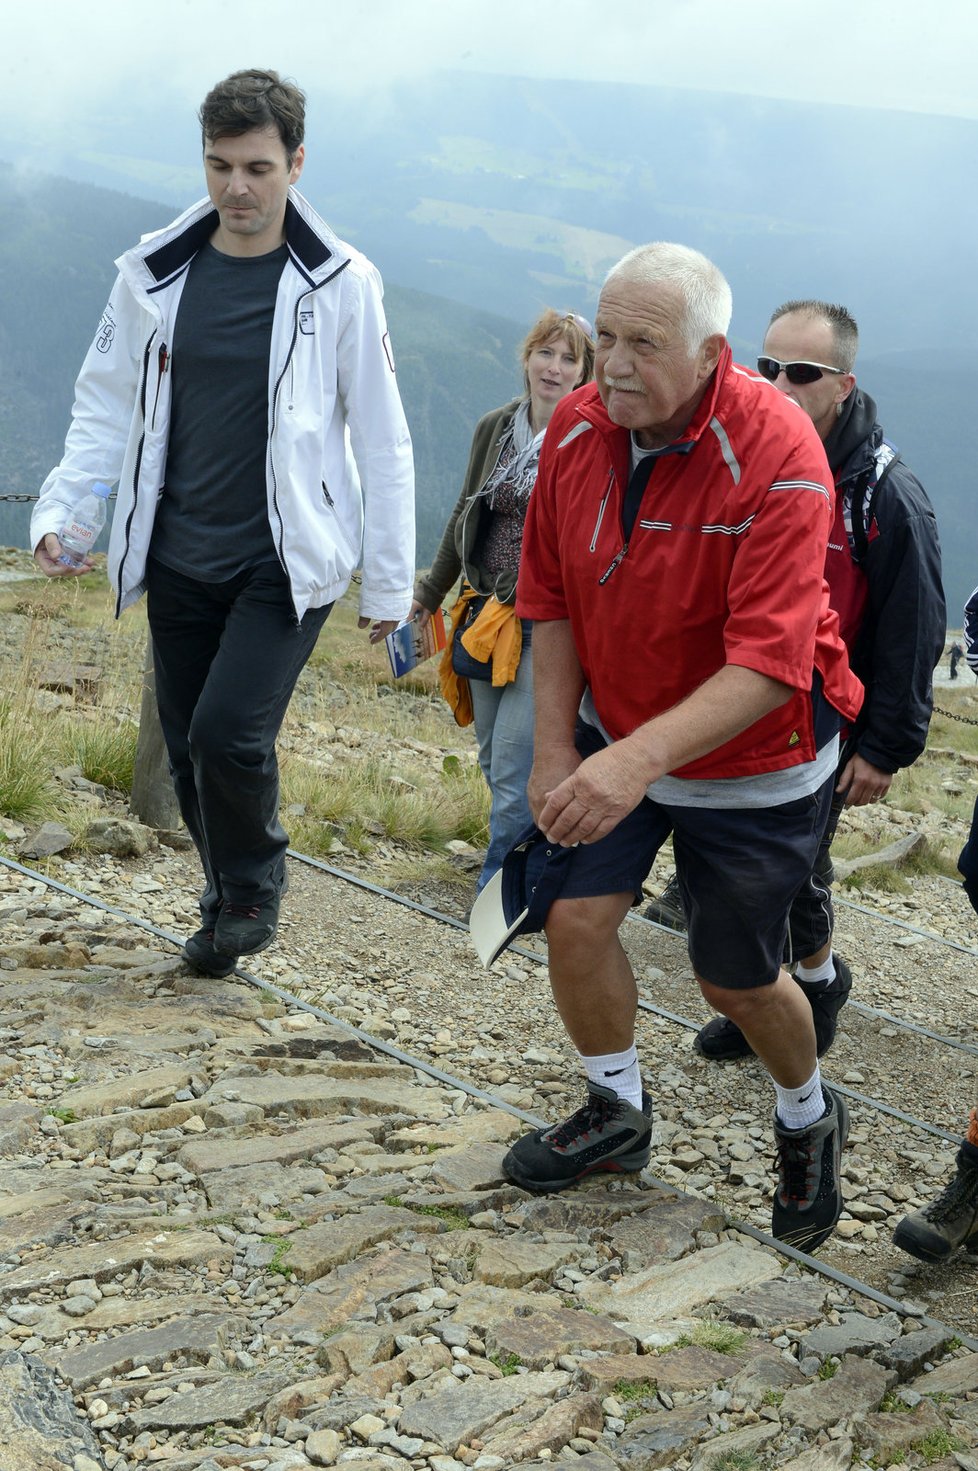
<point x="11" y="496"/>
<point x="952" y="715"/>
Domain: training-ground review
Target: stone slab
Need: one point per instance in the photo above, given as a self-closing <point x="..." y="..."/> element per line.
<point x="103" y="1259"/>
<point x="39" y="1425"/>
<point x="191" y="1340"/>
<point x="341" y="1295"/>
<point x="513" y="1263"/>
<point x="662" y="1294"/>
<point x="201" y="1156"/>
<point x="125" y="1092"/>
<point x="541" y="1337"/>
<point x="233" y="1399"/>
<point x="318" y="1249"/>
<point x="315" y="1096"/>
<point x="856" y="1388"/>
<point x="666" y="1230"/>
<point x="454" y="1415"/>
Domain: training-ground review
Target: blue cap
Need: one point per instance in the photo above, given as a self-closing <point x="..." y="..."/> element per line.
<point x="517" y="899"/>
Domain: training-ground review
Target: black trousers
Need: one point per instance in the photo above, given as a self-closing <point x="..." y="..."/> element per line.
<point x="227" y="656"/>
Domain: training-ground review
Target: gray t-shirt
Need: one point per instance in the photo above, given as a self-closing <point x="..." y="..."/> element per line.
<point x="212" y="520"/>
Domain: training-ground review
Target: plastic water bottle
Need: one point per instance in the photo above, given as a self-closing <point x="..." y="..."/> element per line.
<point x="82" y="528"/>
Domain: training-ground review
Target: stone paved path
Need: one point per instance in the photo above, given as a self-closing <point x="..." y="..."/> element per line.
<point x="231" y="1235"/>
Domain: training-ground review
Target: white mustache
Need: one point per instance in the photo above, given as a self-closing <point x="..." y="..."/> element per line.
<point x="623" y="385"/>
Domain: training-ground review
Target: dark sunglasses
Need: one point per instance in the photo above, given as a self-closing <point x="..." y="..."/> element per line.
<point x="769" y="368"/>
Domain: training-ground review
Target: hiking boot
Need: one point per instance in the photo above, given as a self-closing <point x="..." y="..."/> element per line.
<point x="949" y="1221"/>
<point x="668" y="909"/>
<point x="201" y="956"/>
<point x="721" y="1040"/>
<point x="808" y="1200"/>
<point x="244" y="929"/>
<point x="605" y="1133"/>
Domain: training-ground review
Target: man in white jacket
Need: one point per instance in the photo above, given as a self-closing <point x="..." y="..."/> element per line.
<point x="241" y="390"/>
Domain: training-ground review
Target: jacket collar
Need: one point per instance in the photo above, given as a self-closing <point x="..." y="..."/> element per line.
<point x="854" y="438"/>
<point x="160" y="258"/>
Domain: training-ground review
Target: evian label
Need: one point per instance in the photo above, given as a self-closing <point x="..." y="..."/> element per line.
<point x="79" y="532"/>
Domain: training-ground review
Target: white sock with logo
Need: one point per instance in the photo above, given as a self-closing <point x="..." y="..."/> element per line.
<point x="800" y="1107"/>
<point x="818" y="975"/>
<point x="618" y="1071"/>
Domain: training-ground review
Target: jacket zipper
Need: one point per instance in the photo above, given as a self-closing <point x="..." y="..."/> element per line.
<point x="618" y="559"/>
<point x="280" y="548"/>
<point x="135" y="471"/>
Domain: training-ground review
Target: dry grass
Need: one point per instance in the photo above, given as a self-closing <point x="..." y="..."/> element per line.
<point x="417" y="786"/>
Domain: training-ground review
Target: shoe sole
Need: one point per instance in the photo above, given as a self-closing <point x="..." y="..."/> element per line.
<point x="618" y="1165"/>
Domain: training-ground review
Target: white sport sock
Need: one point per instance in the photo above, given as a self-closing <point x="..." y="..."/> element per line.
<point x="619" y="1071"/>
<point x="819" y="975"/>
<point x="799" y="1107"/>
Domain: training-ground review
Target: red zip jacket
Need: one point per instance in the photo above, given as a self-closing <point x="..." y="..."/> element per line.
<point x="724" y="565"/>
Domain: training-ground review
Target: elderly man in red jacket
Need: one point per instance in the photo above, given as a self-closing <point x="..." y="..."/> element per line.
<point x="692" y="681"/>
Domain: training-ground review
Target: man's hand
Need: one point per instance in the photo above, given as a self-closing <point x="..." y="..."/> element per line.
<point x="378" y="631"/>
<point x="595" y="797"/>
<point x="550" y="768"/>
<point x="419" y="614"/>
<point x="46" y="555"/>
<point x="865" y="782"/>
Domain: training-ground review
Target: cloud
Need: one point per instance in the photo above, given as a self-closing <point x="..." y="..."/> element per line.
<point x="62" y="61"/>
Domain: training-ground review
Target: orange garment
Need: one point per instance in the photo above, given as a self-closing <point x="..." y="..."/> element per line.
<point x="494" y="633"/>
<point x="973" y="1129"/>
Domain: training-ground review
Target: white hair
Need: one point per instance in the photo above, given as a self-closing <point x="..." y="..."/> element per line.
<point x="704" y="289"/>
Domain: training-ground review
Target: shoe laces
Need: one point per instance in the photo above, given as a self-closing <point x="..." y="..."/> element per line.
<point x="592" y="1115"/>
<point x="960" y="1193"/>
<point x="796" y="1164"/>
<point x="243" y="911"/>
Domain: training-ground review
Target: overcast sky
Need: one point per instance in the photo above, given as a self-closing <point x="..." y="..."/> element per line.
<point x="59" y="58"/>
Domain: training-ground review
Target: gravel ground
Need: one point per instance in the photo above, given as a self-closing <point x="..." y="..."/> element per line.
<point x="414" y="982"/>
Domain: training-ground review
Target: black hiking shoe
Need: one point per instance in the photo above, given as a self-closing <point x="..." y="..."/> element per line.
<point x="950" y="1221"/>
<point x="808" y="1200"/>
<point x="244" y="929"/>
<point x="721" y="1040"/>
<point x="200" y="955"/>
<point x="668" y="909"/>
<point x="605" y="1133"/>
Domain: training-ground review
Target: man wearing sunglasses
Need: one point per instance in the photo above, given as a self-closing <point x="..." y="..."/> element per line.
<point x="883" y="567"/>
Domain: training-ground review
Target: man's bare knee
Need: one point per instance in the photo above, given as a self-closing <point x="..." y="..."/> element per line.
<point x="585" y="924"/>
<point x="741" y="1002"/>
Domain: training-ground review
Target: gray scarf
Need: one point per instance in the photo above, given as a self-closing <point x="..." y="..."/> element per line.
<point x="520" y="471"/>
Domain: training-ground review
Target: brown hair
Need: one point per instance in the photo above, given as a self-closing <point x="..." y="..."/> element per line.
<point x="255" y="99"/>
<point x="551" y="324"/>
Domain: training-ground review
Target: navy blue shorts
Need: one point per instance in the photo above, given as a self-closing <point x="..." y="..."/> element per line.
<point x="739" y="870"/>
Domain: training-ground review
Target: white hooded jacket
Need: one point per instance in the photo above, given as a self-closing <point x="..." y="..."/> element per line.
<point x="339" y="469"/>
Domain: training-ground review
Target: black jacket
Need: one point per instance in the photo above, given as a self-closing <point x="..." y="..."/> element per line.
<point x="888" y="559"/>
